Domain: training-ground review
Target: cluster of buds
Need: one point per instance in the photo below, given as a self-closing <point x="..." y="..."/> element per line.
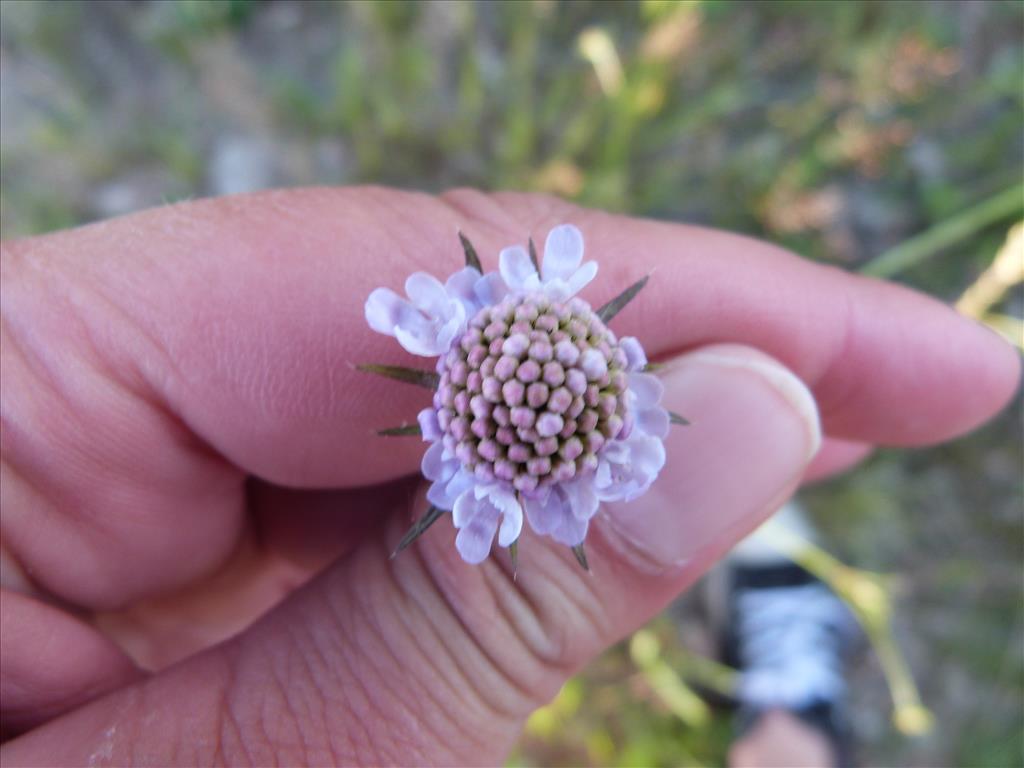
<point x="539" y="411"/>
<point x="532" y="392"/>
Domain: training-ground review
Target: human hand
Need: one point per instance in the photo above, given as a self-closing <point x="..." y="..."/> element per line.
<point x="178" y="382"/>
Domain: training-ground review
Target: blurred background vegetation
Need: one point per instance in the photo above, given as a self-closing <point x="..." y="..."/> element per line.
<point x="882" y="137"/>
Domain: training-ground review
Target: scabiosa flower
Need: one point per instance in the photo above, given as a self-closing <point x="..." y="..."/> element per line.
<point x="538" y="408"/>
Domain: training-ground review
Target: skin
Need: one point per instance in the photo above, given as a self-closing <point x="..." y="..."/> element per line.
<point x="780" y="740"/>
<point x="186" y="445"/>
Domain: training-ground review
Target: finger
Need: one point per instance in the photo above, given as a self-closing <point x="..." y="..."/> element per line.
<point x="424" y="659"/>
<point x="250" y="313"/>
<point x="836" y="456"/>
<point x="139" y="344"/>
<point x="887" y="366"/>
<point x="294" y="536"/>
<point x="52" y="662"/>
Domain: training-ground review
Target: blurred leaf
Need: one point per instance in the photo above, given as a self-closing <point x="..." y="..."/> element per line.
<point x="1009" y="202"/>
<point x="666" y="683"/>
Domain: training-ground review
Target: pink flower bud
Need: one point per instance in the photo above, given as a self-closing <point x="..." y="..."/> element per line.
<point x="549" y="424"/>
<point x="537" y="394"/>
<point x="513" y="392"/>
<point x="528" y="371"/>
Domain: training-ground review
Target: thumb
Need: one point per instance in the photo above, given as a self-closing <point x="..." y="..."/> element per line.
<point x="425" y="659"/>
<point x="754" y="429"/>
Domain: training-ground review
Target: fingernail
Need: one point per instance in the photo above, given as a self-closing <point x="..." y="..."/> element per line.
<point x="753" y="428"/>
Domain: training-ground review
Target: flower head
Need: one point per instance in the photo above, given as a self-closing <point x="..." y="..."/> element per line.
<point x="538" y="407"/>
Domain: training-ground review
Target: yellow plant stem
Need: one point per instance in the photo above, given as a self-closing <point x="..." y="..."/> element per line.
<point x="867" y="597"/>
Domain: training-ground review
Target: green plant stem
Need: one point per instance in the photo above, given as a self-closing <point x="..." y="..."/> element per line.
<point x="924" y="246"/>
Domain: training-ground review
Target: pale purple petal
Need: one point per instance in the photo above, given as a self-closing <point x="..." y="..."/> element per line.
<point x="636" y="358"/>
<point x="505" y="502"/>
<point x="553" y="516"/>
<point x="546" y="511"/>
<point x="474" y="541"/>
<point x="466" y="507"/>
<point x="436" y="495"/>
<point x="490" y="289"/>
<point x="562" y="290"/>
<point x="477" y="513"/>
<point x="563" y="252"/>
<point x="517" y="270"/>
<point x="654" y="421"/>
<point x="461" y="286"/>
<point x="429" y="426"/>
<point x="461" y="482"/>
<point x="511" y="526"/>
<point x="418" y="342"/>
<point x="477" y="522"/>
<point x="579" y="279"/>
<point x="382" y="310"/>
<point x="648" y="389"/>
<point x="450" y="331"/>
<point x="428" y="325"/>
<point x="582" y="498"/>
<point x="557" y="289"/>
<point x="648" y="457"/>
<point x="444" y="494"/>
<point x="427" y="293"/>
<point x="436" y="465"/>
<point x="571" y="532"/>
<point x="629" y="467"/>
<point x="420" y="334"/>
<point x="500" y="497"/>
<point x="612" y="488"/>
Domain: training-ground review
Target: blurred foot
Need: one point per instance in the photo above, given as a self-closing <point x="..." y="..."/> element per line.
<point x="788" y="634"/>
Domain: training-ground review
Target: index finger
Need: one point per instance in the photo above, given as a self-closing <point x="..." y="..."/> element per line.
<point x="244" y="316"/>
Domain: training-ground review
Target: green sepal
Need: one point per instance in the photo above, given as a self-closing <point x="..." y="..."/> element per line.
<point x="472" y="260"/>
<point x="581" y="557"/>
<point x="653" y="367"/>
<point x="427" y="379"/>
<point x="533" y="256"/>
<point x="675" y="418"/>
<point x="616" y="305"/>
<point x="513" y="553"/>
<point x="431" y="516"/>
<point x="409" y="430"/>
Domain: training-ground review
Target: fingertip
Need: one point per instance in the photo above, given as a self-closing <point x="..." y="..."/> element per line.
<point x="835" y="457"/>
<point x="754" y="429"/>
<point x="1004" y="368"/>
<point x="990" y="374"/>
